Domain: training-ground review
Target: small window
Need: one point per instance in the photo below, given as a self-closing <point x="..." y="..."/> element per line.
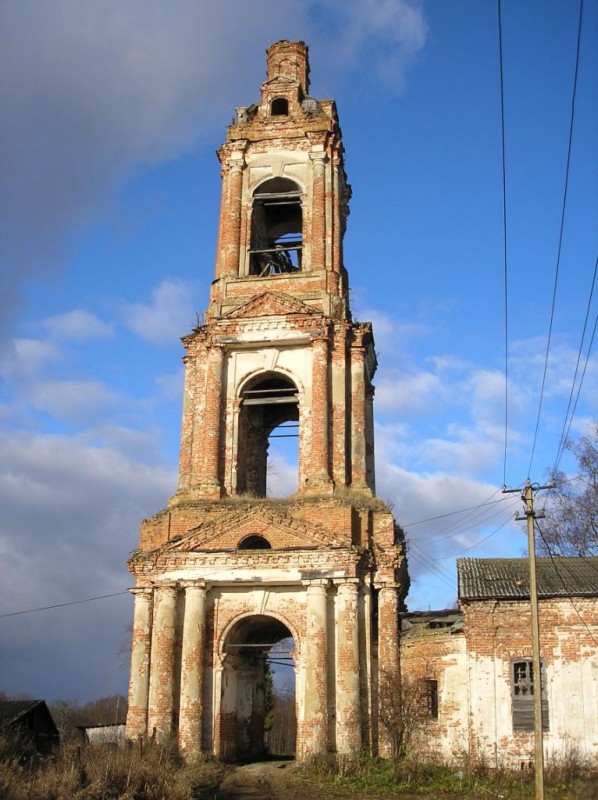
<point x="255" y="542"/>
<point x="429" y="690"/>
<point x="522" y="687"/>
<point x="280" y="107"/>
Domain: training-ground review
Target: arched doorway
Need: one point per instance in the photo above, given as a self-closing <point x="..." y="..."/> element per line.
<point x="255" y="651"/>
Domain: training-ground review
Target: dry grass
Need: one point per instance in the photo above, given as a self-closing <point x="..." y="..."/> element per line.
<point x="104" y="772"/>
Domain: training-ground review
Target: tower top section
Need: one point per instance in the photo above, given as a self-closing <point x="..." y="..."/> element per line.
<point x="289" y="62"/>
<point x="284" y="196"/>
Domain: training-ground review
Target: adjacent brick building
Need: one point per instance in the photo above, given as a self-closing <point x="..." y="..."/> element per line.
<point x="224" y="572"/>
<point x="477" y="663"/>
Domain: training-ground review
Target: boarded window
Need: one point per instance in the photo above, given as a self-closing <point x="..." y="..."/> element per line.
<point x="522" y="686"/>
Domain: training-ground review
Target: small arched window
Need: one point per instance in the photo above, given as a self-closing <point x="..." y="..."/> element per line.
<point x="254" y="542"/>
<point x="280" y="107"/>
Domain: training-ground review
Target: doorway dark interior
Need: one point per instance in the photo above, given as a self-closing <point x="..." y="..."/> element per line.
<point x="258" y="696"/>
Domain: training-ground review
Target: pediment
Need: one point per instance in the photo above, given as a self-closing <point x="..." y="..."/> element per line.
<point x="279" y="528"/>
<point x="269" y="304"/>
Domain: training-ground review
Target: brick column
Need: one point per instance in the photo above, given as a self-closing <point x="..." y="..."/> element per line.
<point x="192" y="667"/>
<point x="388" y="647"/>
<point x="314" y="729"/>
<point x="140" y="663"/>
<point x="337" y="236"/>
<point x="162" y="663"/>
<point x="348" y="710"/>
<point x="318" y="212"/>
<point x="368" y="679"/>
<point x="209" y="482"/>
<point x="370" y="466"/>
<point x="339" y="407"/>
<point x="230" y="215"/>
<point x="186" y="450"/>
<point x="358" y="418"/>
<point x="319" y="462"/>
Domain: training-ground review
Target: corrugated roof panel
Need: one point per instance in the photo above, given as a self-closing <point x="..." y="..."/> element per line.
<point x="480" y="578"/>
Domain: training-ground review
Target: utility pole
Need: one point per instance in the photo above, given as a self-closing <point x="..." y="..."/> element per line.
<point x="528" y="502"/>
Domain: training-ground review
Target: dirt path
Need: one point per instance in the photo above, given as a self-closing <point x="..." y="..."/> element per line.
<point x="264" y="780"/>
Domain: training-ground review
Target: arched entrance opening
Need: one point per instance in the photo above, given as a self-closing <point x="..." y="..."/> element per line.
<point x="258" y="668"/>
<point x="267" y="444"/>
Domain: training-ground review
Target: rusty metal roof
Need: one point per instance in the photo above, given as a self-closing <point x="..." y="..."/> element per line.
<point x="508" y="578"/>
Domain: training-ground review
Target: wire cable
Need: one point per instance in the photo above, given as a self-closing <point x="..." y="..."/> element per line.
<point x="453" y="513"/>
<point x="476" y="522"/>
<point x="569" y="420"/>
<point x="561" y="230"/>
<point x="63" y="605"/>
<point x="477" y="544"/>
<point x="562" y="580"/>
<point x="505" y="238"/>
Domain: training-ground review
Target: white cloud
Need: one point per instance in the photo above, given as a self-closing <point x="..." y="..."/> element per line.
<point x="70" y="515"/>
<point x="169" y="314"/>
<point x="26" y="357"/>
<point x="391" y="32"/>
<point x="73" y="400"/>
<point x="98" y="90"/>
<point x="417" y="393"/>
<point x="77" y="325"/>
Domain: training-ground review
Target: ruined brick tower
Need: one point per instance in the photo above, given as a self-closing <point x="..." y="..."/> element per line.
<point x="225" y="572"/>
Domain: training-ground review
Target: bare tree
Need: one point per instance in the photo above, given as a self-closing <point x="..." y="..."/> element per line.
<point x="403" y="709"/>
<point x="571" y="524"/>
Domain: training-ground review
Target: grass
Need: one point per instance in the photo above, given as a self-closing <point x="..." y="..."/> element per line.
<point x="365" y="776"/>
<point x="104" y="772"/>
<point x="156" y="772"/>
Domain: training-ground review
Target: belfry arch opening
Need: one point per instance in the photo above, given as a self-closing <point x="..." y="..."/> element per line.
<point x="258" y="690"/>
<point x="267" y="441"/>
<point x="276" y="228"/>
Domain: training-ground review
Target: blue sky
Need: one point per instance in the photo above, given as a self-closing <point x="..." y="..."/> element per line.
<point x="112" y="113"/>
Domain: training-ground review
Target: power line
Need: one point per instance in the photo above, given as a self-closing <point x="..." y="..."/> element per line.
<point x="475" y="522"/>
<point x="63" y="605"/>
<point x="505" y="238"/>
<point x="442" y="573"/>
<point x="561" y="229"/>
<point x="569" y="419"/>
<point x="485" y="539"/>
<point x="568" y="596"/>
<point x="452" y="513"/>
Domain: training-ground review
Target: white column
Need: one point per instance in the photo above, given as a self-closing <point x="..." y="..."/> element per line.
<point x="162" y="663"/>
<point x="192" y="668"/>
<point x="348" y="711"/>
<point x="314" y="727"/>
<point x="140" y="663"/>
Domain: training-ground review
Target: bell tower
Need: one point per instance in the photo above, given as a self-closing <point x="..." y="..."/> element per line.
<point x="225" y="572"/>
